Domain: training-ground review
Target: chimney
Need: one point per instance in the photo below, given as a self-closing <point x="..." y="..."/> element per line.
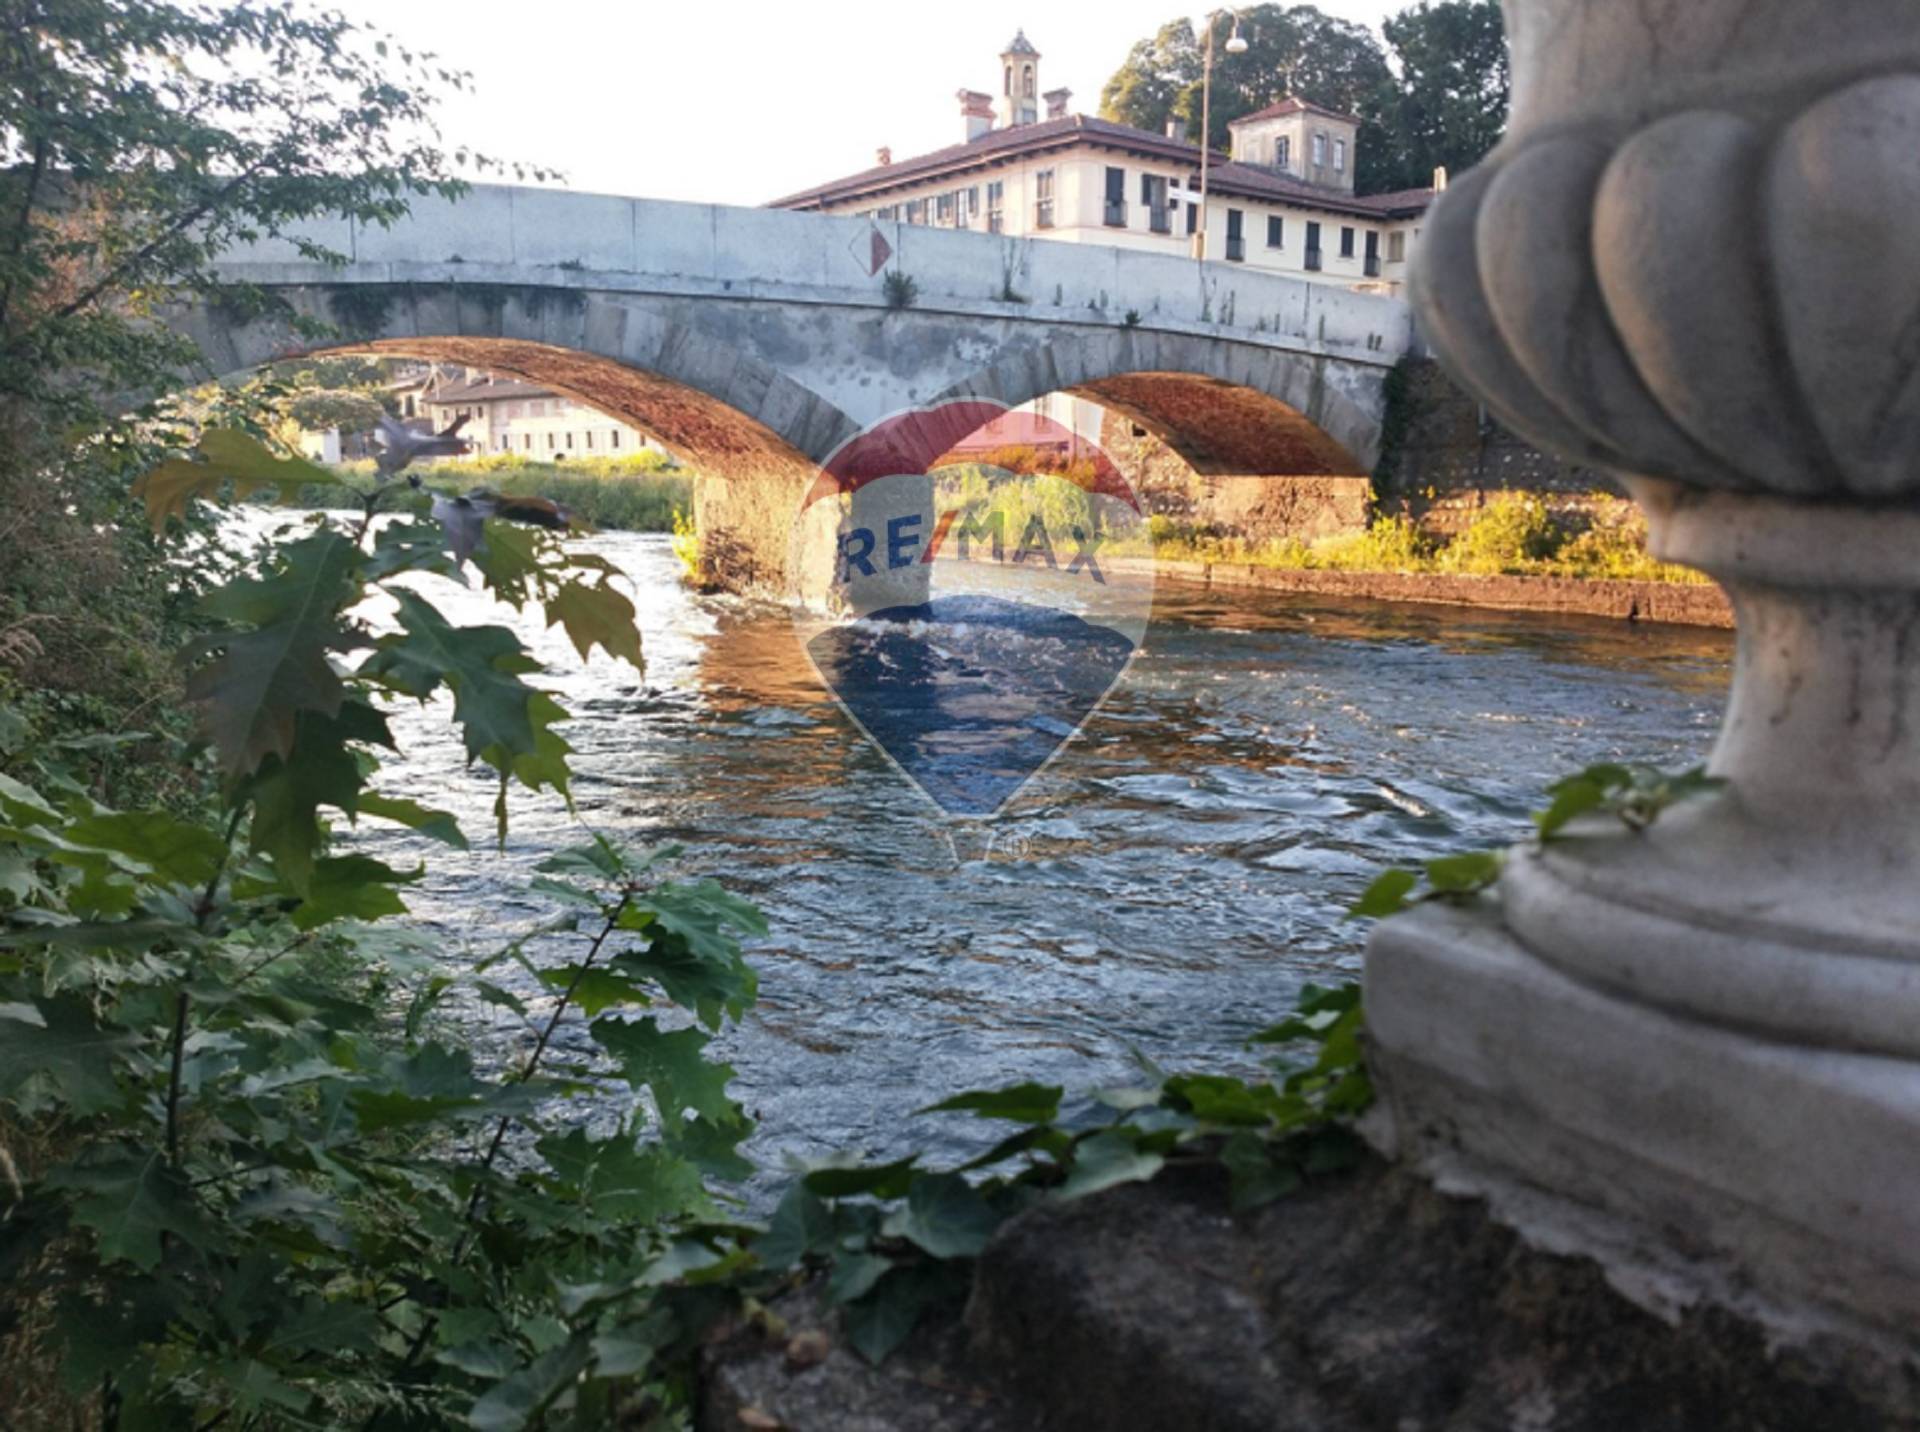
<point x="976" y="111"/>
<point x="1440" y="180"/>
<point x="1177" y="130"/>
<point x="1057" y="103"/>
<point x="883" y="156"/>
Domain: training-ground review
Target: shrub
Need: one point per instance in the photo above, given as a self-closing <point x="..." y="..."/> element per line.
<point x="1513" y="531"/>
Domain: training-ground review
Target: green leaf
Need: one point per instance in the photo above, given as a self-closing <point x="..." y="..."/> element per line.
<point x="597" y="615"/>
<point x="518" y="1401"/>
<point x="227" y="456"/>
<point x="438" y="824"/>
<point x="130" y="1203"/>
<point x="672" y="1064"/>
<point x="482" y="665"/>
<point x="597" y="989"/>
<point x="855" y="1271"/>
<point x="175" y="850"/>
<point x="251" y="695"/>
<point x="945" y="1217"/>
<point x="887" y="1316"/>
<point x="889" y="1180"/>
<point x="1107" y="1159"/>
<point x="1387" y="895"/>
<point x="1465" y="874"/>
<point x="1023" y="1103"/>
<point x="352" y="887"/>
<point x="66" y="1046"/>
<point x="1570" y="799"/>
<point x="801" y="1227"/>
<point x="1219" y="1099"/>
<point x="288" y="795"/>
<point x="1256" y="1174"/>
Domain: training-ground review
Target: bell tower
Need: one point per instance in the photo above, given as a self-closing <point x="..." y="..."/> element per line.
<point x="1019" y="101"/>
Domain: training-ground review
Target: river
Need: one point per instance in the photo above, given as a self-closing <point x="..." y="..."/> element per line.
<point x="1163" y="887"/>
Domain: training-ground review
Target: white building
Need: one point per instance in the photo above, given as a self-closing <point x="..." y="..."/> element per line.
<point x="1283" y="201"/>
<point x="505" y="415"/>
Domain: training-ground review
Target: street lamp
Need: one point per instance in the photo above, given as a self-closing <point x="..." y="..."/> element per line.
<point x="1235" y="46"/>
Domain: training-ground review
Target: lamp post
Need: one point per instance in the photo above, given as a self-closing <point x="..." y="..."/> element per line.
<point x="1235" y="46"/>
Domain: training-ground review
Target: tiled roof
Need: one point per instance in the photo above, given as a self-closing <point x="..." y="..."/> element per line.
<point x="1293" y="104"/>
<point x="486" y="392"/>
<point x="1223" y="175"/>
<point x="1020" y="45"/>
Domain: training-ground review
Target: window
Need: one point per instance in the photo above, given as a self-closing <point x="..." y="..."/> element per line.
<point x="1007" y="85"/>
<point x="550" y="442"/>
<point x="1026" y="81"/>
<point x="526" y="440"/>
<point x="1193" y="218"/>
<point x="972" y="205"/>
<point x="613" y="438"/>
<point x="569" y="439"/>
<point x="1340" y="156"/>
<point x="1236" y="237"/>
<point x="1319" y="151"/>
<point x="1276" y="231"/>
<point x="1346" y="243"/>
<point x="1313" y="244"/>
<point x="1282" y="152"/>
<point x="943" y="210"/>
<point x="1153" y="198"/>
<point x="996" y="206"/>
<point x="589" y="440"/>
<point x="1114" y="215"/>
<point x="916" y="211"/>
<point x="1043" y="199"/>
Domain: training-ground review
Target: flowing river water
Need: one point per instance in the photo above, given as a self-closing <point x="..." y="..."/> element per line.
<point x="1164" y="887"/>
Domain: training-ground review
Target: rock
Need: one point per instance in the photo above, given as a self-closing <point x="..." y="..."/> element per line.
<point x="1369" y="1301"/>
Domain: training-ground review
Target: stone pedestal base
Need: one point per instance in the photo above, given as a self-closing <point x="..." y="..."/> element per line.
<point x="1695" y="1161"/>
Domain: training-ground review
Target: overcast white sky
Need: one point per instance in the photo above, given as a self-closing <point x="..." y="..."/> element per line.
<point x="742" y="102"/>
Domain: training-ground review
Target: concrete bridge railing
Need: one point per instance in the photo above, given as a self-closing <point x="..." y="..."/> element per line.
<point x="757" y="341"/>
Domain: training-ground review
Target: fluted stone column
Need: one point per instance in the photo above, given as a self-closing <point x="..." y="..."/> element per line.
<point x="1695" y="1050"/>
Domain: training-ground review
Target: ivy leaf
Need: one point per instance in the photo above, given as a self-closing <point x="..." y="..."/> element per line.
<point x="801" y="1227"/>
<point x="1464" y="874"/>
<point x="945" y="1216"/>
<point x="440" y="825"/>
<point x="1387" y="895"/>
<point x="1256" y="1174"/>
<point x="1023" y="1103"/>
<point x="1108" y="1159"/>
<point x="886" y="1317"/>
<point x="597" y="615"/>
<point x="1571" y="798"/>
<point x="252" y="694"/>
<point x="672" y="1064"/>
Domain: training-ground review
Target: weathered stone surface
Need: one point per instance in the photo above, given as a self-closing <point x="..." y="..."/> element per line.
<point x="1361" y="1303"/>
<point x="1706" y="1028"/>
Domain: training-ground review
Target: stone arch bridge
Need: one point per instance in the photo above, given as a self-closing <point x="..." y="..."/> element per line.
<point x="753" y="342"/>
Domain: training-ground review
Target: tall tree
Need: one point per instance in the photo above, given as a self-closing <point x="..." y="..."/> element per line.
<point x="1292" y="48"/>
<point x="1450" y="105"/>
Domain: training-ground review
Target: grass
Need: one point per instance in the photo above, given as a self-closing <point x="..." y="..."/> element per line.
<point x="1517" y="534"/>
<point x="640" y="493"/>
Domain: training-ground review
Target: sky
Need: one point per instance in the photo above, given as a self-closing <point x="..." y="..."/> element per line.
<point x="744" y="102"/>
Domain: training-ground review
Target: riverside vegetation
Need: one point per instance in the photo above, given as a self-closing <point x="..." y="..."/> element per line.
<point x="643" y="492"/>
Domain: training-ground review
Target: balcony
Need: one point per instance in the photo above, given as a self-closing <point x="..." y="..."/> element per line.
<point x="1313" y="261"/>
<point x="1116" y="214"/>
<point x="1373" y="266"/>
<point x="1160" y="218"/>
<point x="1236" y="248"/>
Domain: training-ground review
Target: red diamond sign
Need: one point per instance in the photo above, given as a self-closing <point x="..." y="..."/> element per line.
<point x="871" y="250"/>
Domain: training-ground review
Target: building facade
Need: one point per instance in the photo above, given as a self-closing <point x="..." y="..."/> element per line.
<point x="1282" y="200"/>
<point x="505" y="415"/>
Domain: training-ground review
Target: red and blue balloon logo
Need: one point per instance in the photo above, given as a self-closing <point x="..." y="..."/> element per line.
<point x="974" y="582"/>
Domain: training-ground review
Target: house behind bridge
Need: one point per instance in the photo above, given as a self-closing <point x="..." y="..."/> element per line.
<point x="1283" y="201"/>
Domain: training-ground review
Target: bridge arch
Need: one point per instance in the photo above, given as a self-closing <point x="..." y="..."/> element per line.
<point x="1279" y="443"/>
<point x="754" y="434"/>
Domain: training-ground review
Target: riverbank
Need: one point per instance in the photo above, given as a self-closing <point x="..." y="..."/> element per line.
<point x="1675" y="603"/>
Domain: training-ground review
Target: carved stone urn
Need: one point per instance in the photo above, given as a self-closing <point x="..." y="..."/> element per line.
<point x="1695" y="262"/>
